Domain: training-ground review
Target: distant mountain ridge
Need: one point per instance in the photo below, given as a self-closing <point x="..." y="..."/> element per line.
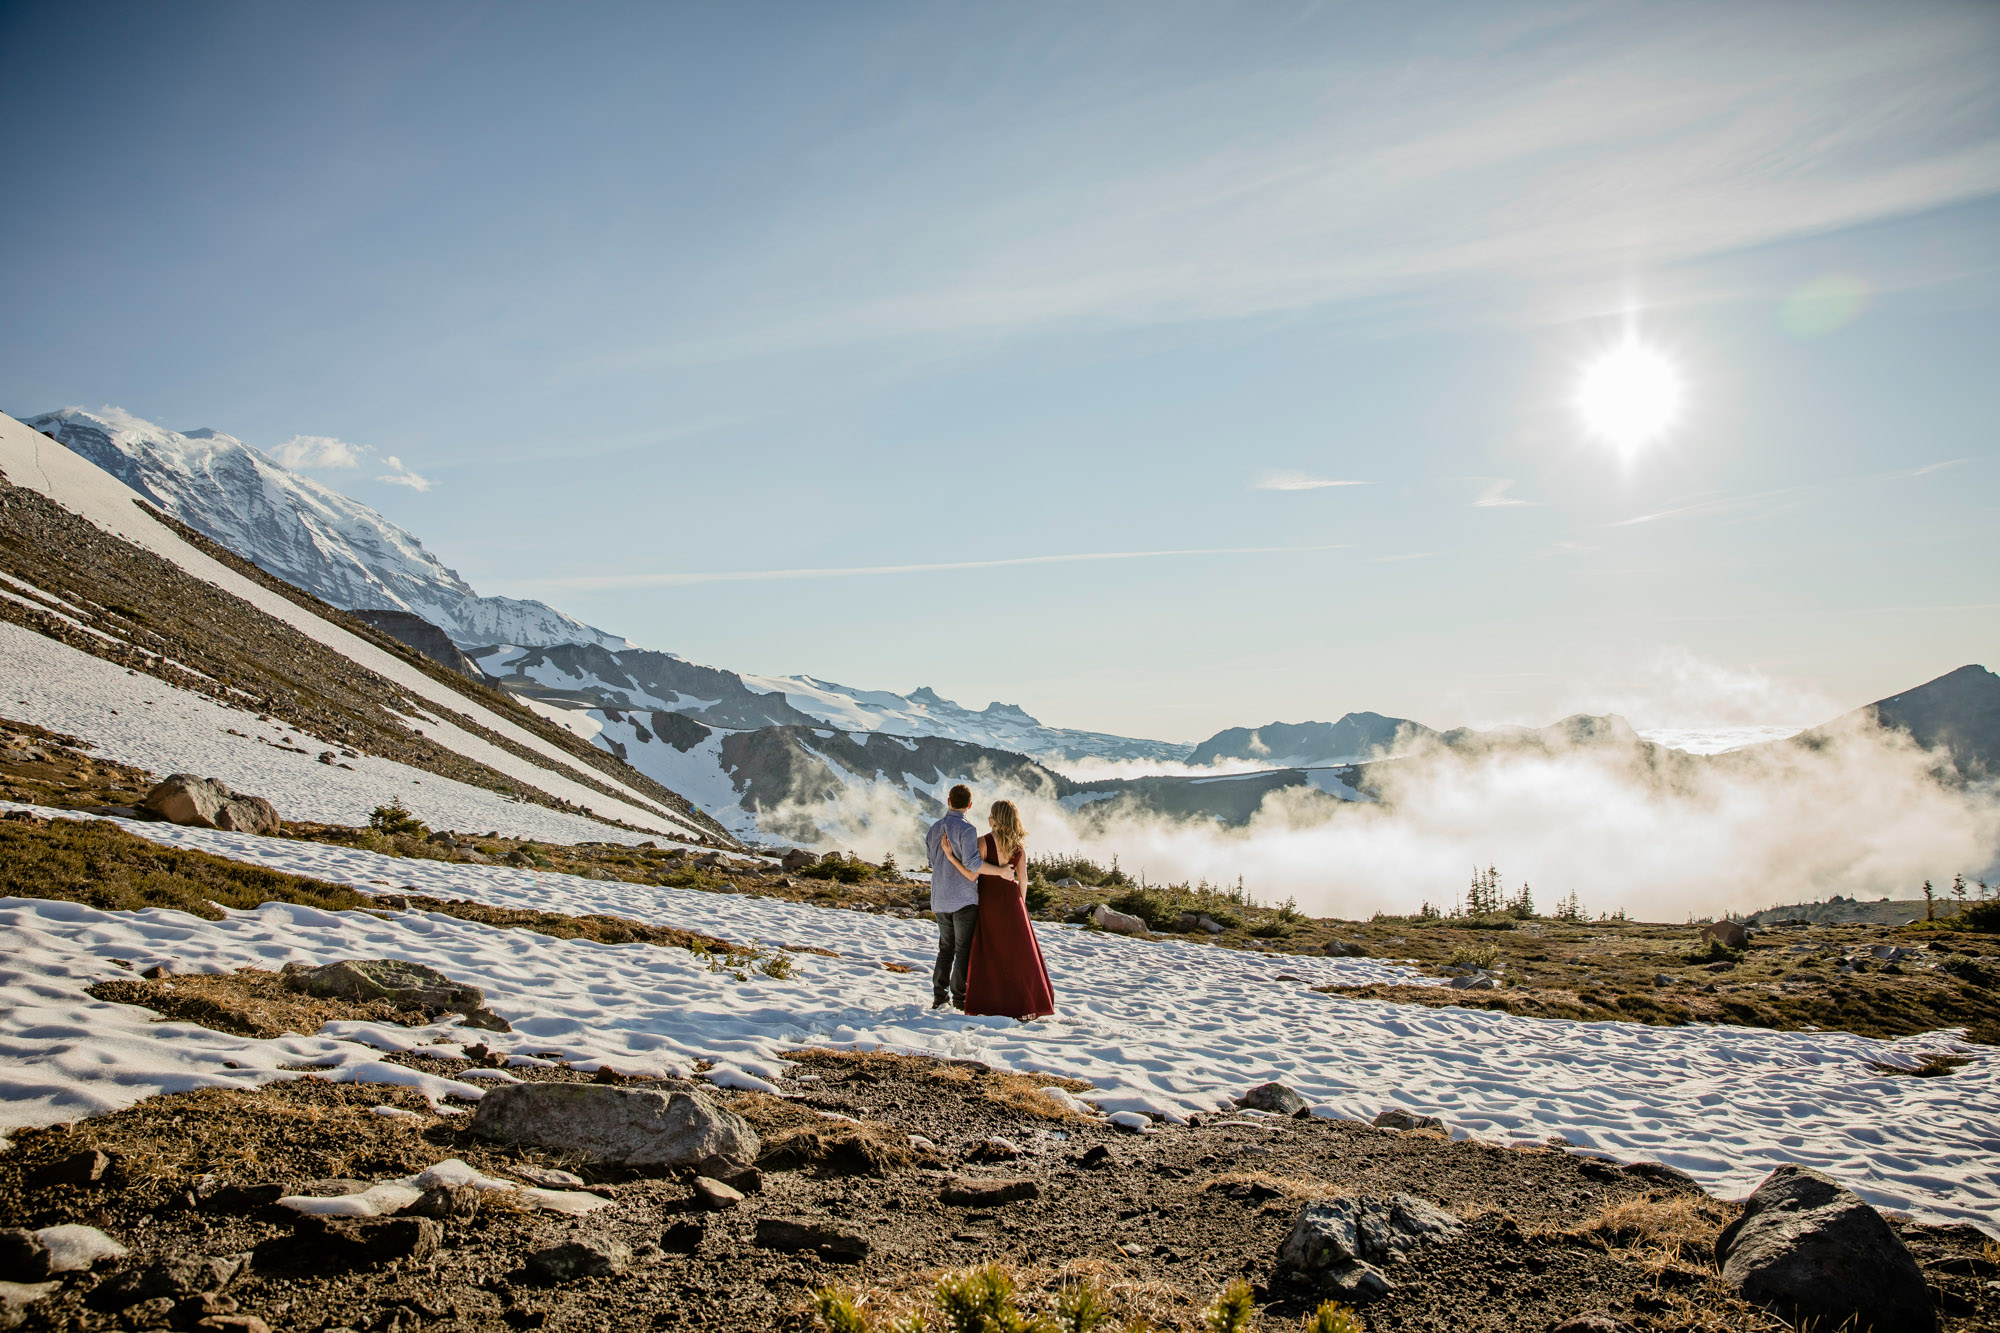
<point x="1356" y="738"/>
<point x="592" y="676"/>
<point x="307" y="534"/>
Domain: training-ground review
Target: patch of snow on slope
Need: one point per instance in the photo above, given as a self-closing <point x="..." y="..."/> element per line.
<point x="137" y="719"/>
<point x="1156" y="1025"/>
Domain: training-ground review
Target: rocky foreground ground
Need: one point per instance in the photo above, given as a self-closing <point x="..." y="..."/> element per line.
<point x="877" y="1175"/>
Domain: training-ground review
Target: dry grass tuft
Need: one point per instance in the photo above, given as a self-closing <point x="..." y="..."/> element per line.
<point x="1680" y="1228"/>
<point x="836" y="1148"/>
<point x="249" y="1002"/>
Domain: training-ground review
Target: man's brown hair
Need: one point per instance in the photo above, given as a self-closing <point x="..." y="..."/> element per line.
<point x="961" y="797"/>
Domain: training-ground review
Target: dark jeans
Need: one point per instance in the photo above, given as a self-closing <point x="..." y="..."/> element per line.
<point x="954" y="954"/>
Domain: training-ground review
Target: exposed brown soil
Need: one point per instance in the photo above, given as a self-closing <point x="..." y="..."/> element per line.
<point x="1789" y="977"/>
<point x="1162" y="1221"/>
<point x="144" y="610"/>
<point x="249" y="1002"/>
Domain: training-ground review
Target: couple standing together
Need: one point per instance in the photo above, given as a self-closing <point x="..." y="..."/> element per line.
<point x="988" y="961"/>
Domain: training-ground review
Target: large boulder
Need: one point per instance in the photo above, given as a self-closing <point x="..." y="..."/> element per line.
<point x="405" y="985"/>
<point x="185" y="798"/>
<point x="635" y="1126"/>
<point x="1340" y="1241"/>
<point x="1727" y="933"/>
<point x="1812" y="1250"/>
<point x="1275" y="1098"/>
<point x="1118" y="923"/>
<point x="798" y="858"/>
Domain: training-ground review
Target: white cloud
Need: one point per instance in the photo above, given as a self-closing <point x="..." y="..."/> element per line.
<point x="1495" y="495"/>
<point x="1297" y="481"/>
<point x="400" y="475"/>
<point x="320" y="451"/>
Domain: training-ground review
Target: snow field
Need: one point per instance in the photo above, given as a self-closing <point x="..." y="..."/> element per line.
<point x="140" y="720"/>
<point x="1162" y="1027"/>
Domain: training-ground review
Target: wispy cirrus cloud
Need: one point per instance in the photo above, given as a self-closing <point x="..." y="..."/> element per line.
<point x="1297" y="481"/>
<point x="1495" y="495"/>
<point x="679" y="578"/>
<point x="1608" y="138"/>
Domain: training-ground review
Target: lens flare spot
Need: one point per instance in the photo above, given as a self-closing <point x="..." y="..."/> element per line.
<point x="1629" y="396"/>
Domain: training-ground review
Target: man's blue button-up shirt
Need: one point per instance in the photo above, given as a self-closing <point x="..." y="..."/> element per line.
<point x="949" y="889"/>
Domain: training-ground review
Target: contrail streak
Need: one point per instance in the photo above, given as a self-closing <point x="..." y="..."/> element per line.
<point x="676" y="580"/>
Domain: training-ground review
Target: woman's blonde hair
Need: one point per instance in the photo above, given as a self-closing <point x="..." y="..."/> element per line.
<point x="1008" y="835"/>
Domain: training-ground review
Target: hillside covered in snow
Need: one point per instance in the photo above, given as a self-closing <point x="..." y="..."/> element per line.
<point x="308" y="534"/>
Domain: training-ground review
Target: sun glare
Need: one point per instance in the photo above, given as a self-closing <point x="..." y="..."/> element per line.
<point x="1629" y="396"/>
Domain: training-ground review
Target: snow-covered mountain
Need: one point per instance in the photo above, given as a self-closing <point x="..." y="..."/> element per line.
<point x="307" y="534"/>
<point x="636" y="678"/>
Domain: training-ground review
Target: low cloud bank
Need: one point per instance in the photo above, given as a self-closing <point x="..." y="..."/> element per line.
<point x="1657" y="833"/>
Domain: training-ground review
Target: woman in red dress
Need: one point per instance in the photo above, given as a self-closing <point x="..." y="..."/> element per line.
<point x="1006" y="974"/>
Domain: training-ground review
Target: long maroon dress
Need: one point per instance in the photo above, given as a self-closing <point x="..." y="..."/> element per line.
<point x="1006" y="974"/>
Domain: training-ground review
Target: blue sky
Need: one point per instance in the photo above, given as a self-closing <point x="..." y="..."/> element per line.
<point x="652" y="294"/>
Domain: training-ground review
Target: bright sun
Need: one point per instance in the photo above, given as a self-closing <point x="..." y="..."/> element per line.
<point x="1629" y="396"/>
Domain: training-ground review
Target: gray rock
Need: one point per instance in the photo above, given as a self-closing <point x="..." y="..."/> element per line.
<point x="1475" y="980"/>
<point x="1664" y="980"/>
<point x="362" y="1242"/>
<point x="966" y="1193"/>
<point x="798" y="859"/>
<point x="185" y="798"/>
<point x="1275" y="1098"/>
<point x="1809" y="1249"/>
<point x="405" y="985"/>
<point x="1344" y="949"/>
<point x="777" y="1233"/>
<point x="1357" y="1281"/>
<point x="1397" y="1118"/>
<point x="16" y="1297"/>
<point x="637" y="1126"/>
<point x="1327" y="1239"/>
<point x="714" y="1195"/>
<point x="1118" y="923"/>
<point x="169" y="1279"/>
<point x="1067" y="883"/>
<point x="579" y="1258"/>
<point x="1727" y="933"/>
<point x="77" y="1169"/>
<point x="1210" y="924"/>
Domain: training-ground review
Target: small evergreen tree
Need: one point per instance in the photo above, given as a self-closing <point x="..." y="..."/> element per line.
<point x="1930" y="901"/>
<point x="1958" y="889"/>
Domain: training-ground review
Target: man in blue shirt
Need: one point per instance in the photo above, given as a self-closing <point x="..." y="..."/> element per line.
<point x="954" y="897"/>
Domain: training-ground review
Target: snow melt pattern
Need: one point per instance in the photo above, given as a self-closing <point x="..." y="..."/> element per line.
<point x="1164" y="1027"/>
